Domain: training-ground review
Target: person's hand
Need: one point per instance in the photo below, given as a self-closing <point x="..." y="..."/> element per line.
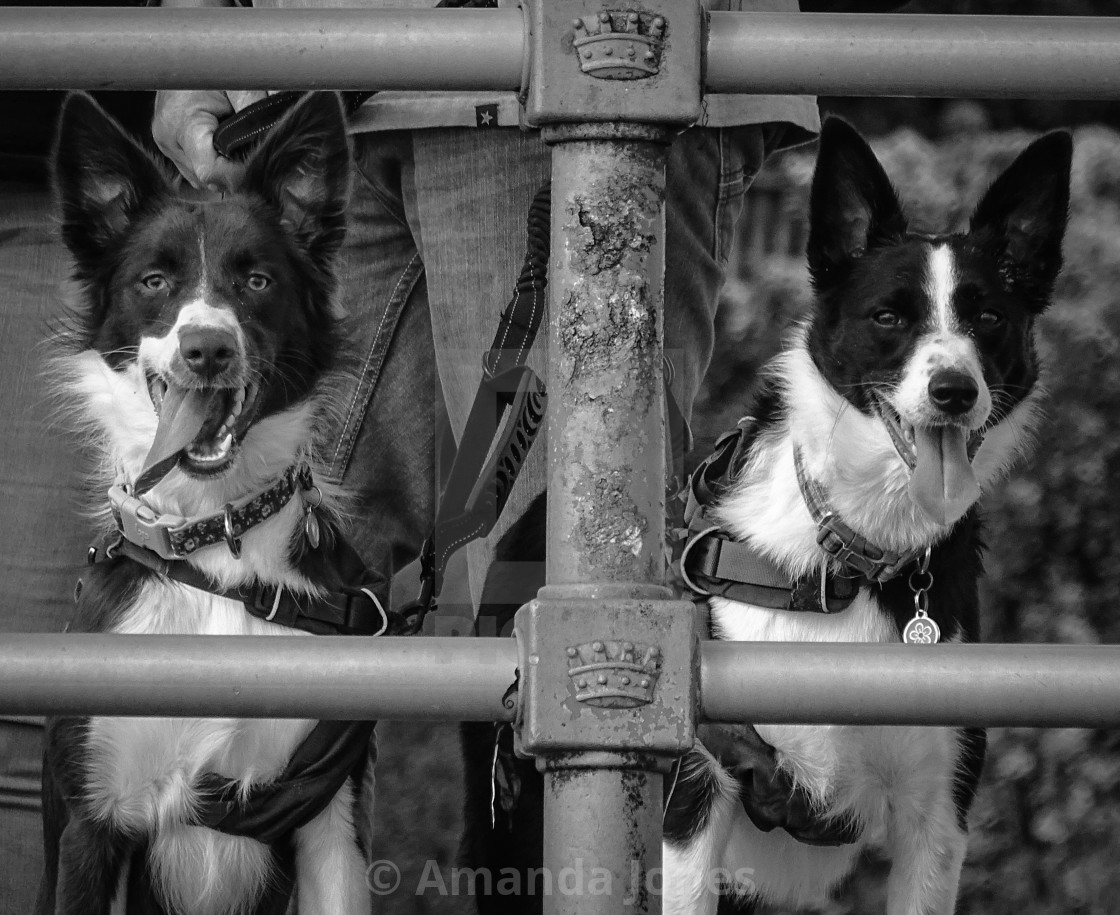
<point x="183" y="127"/>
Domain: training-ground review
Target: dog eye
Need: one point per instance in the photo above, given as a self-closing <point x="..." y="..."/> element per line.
<point x="156" y="282"/>
<point x="258" y="282"/>
<point x="988" y="319"/>
<point x="886" y="317"/>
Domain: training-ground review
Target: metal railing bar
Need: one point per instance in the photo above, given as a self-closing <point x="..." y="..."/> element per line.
<point x="816" y="54"/>
<point x="915" y="55"/>
<point x="453" y="679"/>
<point x="985" y="685"/>
<point x="440" y="679"/>
<point x="63" y="48"/>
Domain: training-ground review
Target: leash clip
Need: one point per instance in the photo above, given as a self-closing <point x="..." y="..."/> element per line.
<point x="140" y="523"/>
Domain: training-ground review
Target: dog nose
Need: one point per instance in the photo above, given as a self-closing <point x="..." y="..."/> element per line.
<point x="952" y="391"/>
<point x="207" y="351"/>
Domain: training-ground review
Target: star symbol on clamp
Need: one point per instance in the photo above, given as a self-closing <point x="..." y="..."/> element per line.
<point x="486" y="115"/>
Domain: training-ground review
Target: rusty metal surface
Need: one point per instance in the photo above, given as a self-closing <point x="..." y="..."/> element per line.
<point x="606" y="428"/>
<point x="606" y="850"/>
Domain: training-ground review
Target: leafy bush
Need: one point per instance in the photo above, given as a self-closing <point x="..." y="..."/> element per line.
<point x="1046" y="825"/>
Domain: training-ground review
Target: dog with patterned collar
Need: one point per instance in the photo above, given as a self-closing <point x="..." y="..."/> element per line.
<point x="200" y="353"/>
<point x="844" y="510"/>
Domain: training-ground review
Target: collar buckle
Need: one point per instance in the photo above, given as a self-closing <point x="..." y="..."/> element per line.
<point x="854" y="552"/>
<point x="140" y="523"/>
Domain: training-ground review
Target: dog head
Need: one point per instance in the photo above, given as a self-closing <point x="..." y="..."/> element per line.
<point x="932" y="334"/>
<point x="211" y="319"/>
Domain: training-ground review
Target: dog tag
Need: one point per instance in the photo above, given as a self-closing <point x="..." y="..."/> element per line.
<point x="311" y="527"/>
<point x="921" y="630"/>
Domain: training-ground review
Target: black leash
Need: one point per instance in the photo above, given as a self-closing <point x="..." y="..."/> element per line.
<point x="505" y="417"/>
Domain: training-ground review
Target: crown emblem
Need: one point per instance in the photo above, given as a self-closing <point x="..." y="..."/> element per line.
<point x="625" y="44"/>
<point x="614" y="674"/>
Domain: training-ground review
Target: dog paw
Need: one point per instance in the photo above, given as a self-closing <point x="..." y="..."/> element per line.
<point x="767" y="793"/>
<point x="772" y="800"/>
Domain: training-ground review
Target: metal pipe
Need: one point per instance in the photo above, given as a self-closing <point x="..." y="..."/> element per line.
<point x="915" y="55"/>
<point x="819" y="53"/>
<point x="57" y="48"/>
<point x="987" y="685"/>
<point x="606" y="504"/>
<point x="991" y="685"/>
<point x="444" y="679"/>
<point x="606" y="490"/>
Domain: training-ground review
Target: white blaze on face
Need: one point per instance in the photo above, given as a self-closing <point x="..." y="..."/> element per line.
<point x="941" y="280"/>
<point x="944" y="345"/>
<point x="943" y="483"/>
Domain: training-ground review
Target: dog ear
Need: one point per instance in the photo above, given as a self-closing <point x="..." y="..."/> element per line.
<point x="303" y="168"/>
<point x="102" y="178"/>
<point x="1021" y="220"/>
<point x="852" y="205"/>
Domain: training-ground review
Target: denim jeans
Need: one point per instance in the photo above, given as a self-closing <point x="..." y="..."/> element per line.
<point x="43" y="535"/>
<point x="436" y="242"/>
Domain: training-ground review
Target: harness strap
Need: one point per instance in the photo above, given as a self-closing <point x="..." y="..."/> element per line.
<point x="334" y="750"/>
<point x="713" y="564"/>
<point x="355" y="601"/>
<point x="319" y="767"/>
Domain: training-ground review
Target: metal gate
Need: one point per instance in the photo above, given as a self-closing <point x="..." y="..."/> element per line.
<point x="605" y="595"/>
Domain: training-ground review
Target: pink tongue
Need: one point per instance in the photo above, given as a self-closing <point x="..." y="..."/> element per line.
<point x="181" y="417"/>
<point x="943" y="484"/>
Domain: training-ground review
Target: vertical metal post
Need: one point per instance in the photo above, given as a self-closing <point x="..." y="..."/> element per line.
<point x="607" y="660"/>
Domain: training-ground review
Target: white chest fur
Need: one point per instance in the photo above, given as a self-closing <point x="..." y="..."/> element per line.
<point x="896" y="781"/>
<point x="142" y="769"/>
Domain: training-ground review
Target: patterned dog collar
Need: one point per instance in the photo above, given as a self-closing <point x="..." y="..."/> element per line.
<point x="174" y="537"/>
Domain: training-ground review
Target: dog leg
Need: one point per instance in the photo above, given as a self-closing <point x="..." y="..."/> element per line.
<point x="700" y="808"/>
<point x="691" y="877"/>
<point x="926" y="865"/>
<point x="89" y="864"/>
<point x="330" y="870"/>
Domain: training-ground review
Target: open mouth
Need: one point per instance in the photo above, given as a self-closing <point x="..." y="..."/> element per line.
<point x="904" y="434"/>
<point x="202" y="425"/>
<point x="942" y="482"/>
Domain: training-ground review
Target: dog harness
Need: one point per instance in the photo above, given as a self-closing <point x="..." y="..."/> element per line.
<point x="352" y="600"/>
<point x="713" y="564"/>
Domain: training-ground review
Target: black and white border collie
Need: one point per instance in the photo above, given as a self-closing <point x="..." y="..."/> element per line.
<point x="908" y="392"/>
<point x="202" y="345"/>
